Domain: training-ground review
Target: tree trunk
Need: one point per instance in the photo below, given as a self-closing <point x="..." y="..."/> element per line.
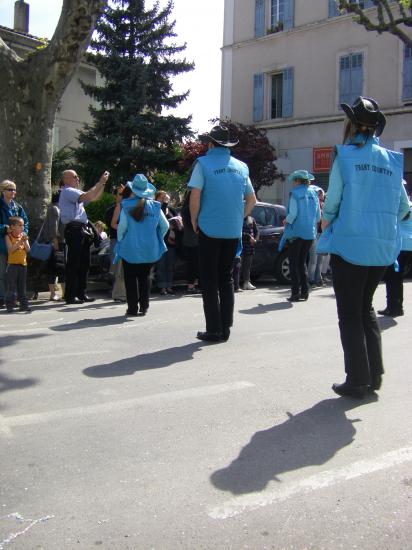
<point x="30" y="91"/>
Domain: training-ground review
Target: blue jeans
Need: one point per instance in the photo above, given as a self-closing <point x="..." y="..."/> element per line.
<point x="165" y="269"/>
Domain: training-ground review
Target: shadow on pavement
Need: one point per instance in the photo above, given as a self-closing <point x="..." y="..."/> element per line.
<point x="265" y="308"/>
<point x="386" y="322"/>
<point x="309" y="438"/>
<point x="89" y="323"/>
<point x="145" y="361"/>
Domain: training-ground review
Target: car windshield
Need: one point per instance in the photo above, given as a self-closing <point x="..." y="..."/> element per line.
<point x="258" y="213"/>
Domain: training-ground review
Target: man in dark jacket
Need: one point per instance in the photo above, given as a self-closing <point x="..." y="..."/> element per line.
<point x="8" y="208"/>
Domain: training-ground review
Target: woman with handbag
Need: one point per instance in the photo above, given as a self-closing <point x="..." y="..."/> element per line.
<point x="140" y="242"/>
<point x="364" y="205"/>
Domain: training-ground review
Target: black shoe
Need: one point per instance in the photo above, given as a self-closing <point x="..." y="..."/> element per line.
<point x="86" y="298"/>
<point x="25" y="308"/>
<point x="293" y="298"/>
<point x="9" y="310"/>
<point x="347" y="390"/>
<point x="225" y="334"/>
<point x="209" y="336"/>
<point x="131" y="313"/>
<point x="2" y="303"/>
<point x="143" y="311"/>
<point x="304" y="296"/>
<point x="74" y="301"/>
<point x="376" y="382"/>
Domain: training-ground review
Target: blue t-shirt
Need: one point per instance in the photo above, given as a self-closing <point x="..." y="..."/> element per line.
<point x="224" y="182"/>
<point x="71" y="210"/>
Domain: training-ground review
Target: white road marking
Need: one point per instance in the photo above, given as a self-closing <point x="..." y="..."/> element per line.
<point x="328" y="478"/>
<point x="116" y="406"/>
<point x="56" y="356"/>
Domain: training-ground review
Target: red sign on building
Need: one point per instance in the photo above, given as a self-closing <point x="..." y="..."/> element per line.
<point x="322" y="159"/>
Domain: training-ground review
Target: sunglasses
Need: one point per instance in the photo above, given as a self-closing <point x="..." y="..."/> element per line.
<point x="10" y="189"/>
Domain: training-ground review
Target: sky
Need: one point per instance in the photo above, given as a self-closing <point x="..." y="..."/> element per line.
<point x="199" y="24"/>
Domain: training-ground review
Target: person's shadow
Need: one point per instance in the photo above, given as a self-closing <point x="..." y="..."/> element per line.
<point x="145" y="361"/>
<point x="309" y="438"/>
<point x="88" y="323"/>
<point x="266" y="308"/>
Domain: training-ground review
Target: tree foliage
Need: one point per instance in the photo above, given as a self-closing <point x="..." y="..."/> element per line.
<point x="392" y="17"/>
<point x="253" y="148"/>
<point x="134" y="52"/>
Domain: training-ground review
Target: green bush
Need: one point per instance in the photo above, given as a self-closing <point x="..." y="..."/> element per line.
<point x="96" y="210"/>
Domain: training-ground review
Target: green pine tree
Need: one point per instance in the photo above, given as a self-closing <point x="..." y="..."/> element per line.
<point x="135" y="54"/>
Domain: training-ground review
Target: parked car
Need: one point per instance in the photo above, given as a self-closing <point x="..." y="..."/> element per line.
<point x="268" y="260"/>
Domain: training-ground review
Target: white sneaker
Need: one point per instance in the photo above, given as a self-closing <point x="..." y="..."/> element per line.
<point x="248" y="286"/>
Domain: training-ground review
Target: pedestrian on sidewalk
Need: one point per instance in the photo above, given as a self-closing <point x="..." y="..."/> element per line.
<point x="303" y="214"/>
<point x="140" y="242"/>
<point x="364" y="205"/>
<point x="220" y="184"/>
<point x="395" y="273"/>
<point x="8" y="208"/>
<point x="78" y="234"/>
<point x="250" y="237"/>
<point x="17" y="243"/>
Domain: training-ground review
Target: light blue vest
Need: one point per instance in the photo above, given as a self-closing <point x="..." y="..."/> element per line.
<point x="406" y="233"/>
<point x="225" y="185"/>
<point x="304" y="225"/>
<point x="366" y="230"/>
<point x="143" y="242"/>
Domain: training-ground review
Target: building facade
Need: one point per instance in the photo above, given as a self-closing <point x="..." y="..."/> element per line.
<point x="73" y="111"/>
<point x="287" y="65"/>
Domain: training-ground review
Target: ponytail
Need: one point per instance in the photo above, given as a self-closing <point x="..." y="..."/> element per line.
<point x="138" y="211"/>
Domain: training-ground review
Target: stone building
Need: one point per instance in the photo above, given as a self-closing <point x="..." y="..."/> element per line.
<point x="288" y="64"/>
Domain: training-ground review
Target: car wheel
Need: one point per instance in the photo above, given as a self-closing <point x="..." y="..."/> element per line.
<point x="282" y="271"/>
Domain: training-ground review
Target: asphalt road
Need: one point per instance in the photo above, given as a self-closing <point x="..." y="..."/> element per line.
<point x="131" y="434"/>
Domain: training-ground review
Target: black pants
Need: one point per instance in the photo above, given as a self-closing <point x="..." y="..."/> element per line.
<point x="16" y="277"/>
<point x="215" y="267"/>
<point x="245" y="267"/>
<point x="236" y="273"/>
<point x="77" y="262"/>
<point x="134" y="275"/>
<point x="192" y="263"/>
<point x="394" y="282"/>
<point x="298" y="250"/>
<point x="354" y="287"/>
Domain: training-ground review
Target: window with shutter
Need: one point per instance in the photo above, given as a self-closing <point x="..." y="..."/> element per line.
<point x="333" y="8"/>
<point x="259" y="18"/>
<point x="257" y="97"/>
<point x="407" y="73"/>
<point x="281" y="14"/>
<point x="350" y="77"/>
<point x="281" y="101"/>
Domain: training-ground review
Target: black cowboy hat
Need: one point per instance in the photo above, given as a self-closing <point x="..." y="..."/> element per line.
<point x="219" y="134"/>
<point x="365" y="112"/>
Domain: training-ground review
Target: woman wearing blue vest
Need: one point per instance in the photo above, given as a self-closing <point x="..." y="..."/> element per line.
<point x="364" y="204"/>
<point x="140" y="242"/>
<point x="303" y="214"/>
<point x="395" y="273"/>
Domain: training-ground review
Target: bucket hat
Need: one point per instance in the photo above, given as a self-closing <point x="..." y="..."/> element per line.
<point x="141" y="187"/>
<point x="365" y="112"/>
<point x="219" y="134"/>
<point x="301" y="175"/>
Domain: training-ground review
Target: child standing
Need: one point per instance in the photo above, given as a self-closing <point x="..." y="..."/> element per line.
<point x="16" y="273"/>
<point x="250" y="236"/>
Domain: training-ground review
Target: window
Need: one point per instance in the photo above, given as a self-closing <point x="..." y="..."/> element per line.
<point x="334" y="9"/>
<point x="281" y="14"/>
<point x="350" y="77"/>
<point x="407" y="74"/>
<point x="276" y="96"/>
<point x="280" y="89"/>
<point x="259" y="18"/>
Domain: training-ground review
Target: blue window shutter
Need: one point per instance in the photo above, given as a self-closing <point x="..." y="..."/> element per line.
<point x="287" y="92"/>
<point x="344" y="79"/>
<point x="288" y="14"/>
<point x="368" y="4"/>
<point x="259" y="18"/>
<point x="356" y="76"/>
<point x="333" y="8"/>
<point x="407" y="73"/>
<point x="257" y="97"/>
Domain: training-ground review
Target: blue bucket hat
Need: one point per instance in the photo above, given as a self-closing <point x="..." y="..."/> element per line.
<point x="141" y="187"/>
<point x="301" y="175"/>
